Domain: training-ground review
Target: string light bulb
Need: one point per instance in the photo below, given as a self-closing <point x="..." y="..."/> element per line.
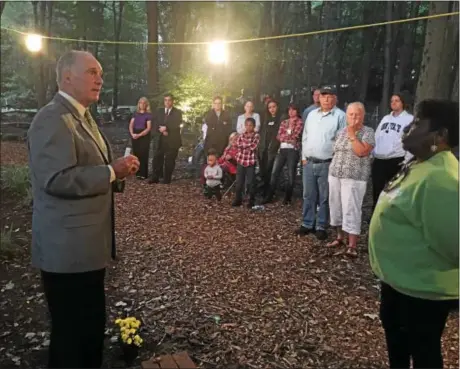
<point x="34" y="42"/>
<point x="218" y="52"/>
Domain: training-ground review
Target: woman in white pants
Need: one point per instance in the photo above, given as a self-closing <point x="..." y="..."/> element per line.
<point x="348" y="175"/>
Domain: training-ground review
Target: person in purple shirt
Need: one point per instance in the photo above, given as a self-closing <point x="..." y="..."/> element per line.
<point x="140" y="126"/>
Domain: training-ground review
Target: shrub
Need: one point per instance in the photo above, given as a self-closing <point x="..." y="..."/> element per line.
<point x="7" y="243"/>
<point x="15" y="179"/>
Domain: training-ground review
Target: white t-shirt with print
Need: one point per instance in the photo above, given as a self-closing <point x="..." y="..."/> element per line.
<point x="388" y="135"/>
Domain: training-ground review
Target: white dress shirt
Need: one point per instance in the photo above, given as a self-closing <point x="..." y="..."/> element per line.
<point x="81" y="110"/>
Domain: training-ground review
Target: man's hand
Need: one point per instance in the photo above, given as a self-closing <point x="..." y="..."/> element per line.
<point x="135" y="136"/>
<point x="125" y="166"/>
<point x="162" y="129"/>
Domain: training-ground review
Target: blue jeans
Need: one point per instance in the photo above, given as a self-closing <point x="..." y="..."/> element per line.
<point x="315" y="182"/>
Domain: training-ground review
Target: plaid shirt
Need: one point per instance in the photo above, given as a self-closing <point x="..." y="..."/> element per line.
<point x="247" y="145"/>
<point x="295" y="135"/>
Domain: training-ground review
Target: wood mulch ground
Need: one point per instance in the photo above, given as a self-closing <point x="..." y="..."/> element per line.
<point x="233" y="287"/>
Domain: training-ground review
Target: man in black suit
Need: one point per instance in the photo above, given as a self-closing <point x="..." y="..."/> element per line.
<point x="166" y="130"/>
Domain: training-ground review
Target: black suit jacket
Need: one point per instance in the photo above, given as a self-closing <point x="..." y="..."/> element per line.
<point x="172" y="123"/>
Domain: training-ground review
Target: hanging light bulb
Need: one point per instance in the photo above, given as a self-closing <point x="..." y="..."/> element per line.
<point x="34" y="42"/>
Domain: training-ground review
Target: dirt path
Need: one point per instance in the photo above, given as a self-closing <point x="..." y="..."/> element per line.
<point x="234" y="288"/>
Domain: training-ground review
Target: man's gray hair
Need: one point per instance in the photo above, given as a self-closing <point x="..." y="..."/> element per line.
<point x="66" y="61"/>
<point x="357" y="104"/>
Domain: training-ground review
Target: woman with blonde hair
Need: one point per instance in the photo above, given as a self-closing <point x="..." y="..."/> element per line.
<point x="348" y="175"/>
<point x="248" y="113"/>
<point x="140" y="126"/>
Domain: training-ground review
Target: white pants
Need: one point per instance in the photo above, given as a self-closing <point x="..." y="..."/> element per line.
<point x="345" y="203"/>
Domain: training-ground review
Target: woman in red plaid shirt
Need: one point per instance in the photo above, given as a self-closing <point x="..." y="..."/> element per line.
<point x="289" y="135"/>
<point x="246" y="159"/>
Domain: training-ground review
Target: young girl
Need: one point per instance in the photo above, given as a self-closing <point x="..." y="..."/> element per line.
<point x="246" y="159"/>
<point x="228" y="159"/>
<point x="289" y="136"/>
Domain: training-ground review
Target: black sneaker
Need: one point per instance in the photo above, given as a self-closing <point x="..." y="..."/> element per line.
<point x="302" y="231"/>
<point x="321" y="234"/>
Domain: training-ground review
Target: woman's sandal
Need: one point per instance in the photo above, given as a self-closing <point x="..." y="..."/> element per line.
<point x="336" y="243"/>
<point x="351" y="251"/>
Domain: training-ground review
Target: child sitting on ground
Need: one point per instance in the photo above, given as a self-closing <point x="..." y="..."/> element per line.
<point x="228" y="159"/>
<point x="246" y="159"/>
<point x="213" y="176"/>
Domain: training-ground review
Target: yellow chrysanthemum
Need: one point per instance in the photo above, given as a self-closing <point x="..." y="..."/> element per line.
<point x="130" y="341"/>
<point x="124" y="337"/>
<point x="137" y="337"/>
<point x="118" y="321"/>
<point x="132" y="331"/>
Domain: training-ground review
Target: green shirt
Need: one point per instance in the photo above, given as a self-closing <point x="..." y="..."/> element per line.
<point x="414" y="231"/>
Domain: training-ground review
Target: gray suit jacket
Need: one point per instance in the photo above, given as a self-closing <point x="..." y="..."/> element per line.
<point x="73" y="210"/>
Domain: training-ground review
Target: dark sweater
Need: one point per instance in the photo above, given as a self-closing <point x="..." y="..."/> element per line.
<point x="268" y="132"/>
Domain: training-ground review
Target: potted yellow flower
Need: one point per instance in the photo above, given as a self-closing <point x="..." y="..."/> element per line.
<point x="129" y="337"/>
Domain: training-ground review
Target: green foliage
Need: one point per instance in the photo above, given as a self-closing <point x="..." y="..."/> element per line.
<point x="192" y="93"/>
<point x="15" y="179"/>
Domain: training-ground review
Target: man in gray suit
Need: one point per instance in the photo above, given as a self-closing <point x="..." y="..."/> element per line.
<point x="73" y="178"/>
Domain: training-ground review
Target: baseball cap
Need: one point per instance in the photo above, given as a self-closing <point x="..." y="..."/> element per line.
<point x="328" y="90"/>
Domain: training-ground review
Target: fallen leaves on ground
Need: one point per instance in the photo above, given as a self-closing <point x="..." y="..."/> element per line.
<point x="13" y="153"/>
<point x="234" y="288"/>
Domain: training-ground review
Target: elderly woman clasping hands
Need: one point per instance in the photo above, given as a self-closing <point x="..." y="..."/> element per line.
<point x="348" y="176"/>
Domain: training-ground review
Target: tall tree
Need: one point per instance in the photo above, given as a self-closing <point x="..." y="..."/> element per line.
<point x="388" y="58"/>
<point x="407" y="49"/>
<point x="117" y="16"/>
<point x="2" y="6"/>
<point x="42" y="19"/>
<point x="436" y="71"/>
<point x="152" y="50"/>
<point x="180" y="11"/>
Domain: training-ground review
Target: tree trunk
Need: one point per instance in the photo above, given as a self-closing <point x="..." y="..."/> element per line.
<point x="407" y="50"/>
<point x="387" y="57"/>
<point x="454" y="93"/>
<point x="366" y="51"/>
<point x="437" y="63"/>
<point x="41" y="78"/>
<point x="2" y="7"/>
<point x="179" y="15"/>
<point x="117" y="16"/>
<point x="152" y="50"/>
<point x="264" y="30"/>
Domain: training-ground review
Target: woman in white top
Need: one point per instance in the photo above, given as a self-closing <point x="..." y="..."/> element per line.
<point x="388" y="152"/>
<point x="248" y="113"/>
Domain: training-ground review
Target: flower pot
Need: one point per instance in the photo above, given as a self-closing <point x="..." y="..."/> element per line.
<point x="130" y="353"/>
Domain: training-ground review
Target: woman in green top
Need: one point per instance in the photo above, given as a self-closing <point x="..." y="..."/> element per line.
<point x="414" y="239"/>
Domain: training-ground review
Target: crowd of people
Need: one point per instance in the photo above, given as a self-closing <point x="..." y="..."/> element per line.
<point x="413" y="235"/>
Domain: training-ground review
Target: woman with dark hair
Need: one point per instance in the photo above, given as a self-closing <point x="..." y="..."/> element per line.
<point x="269" y="144"/>
<point x="388" y="152"/>
<point x="289" y="136"/>
<point x="414" y="239"/>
